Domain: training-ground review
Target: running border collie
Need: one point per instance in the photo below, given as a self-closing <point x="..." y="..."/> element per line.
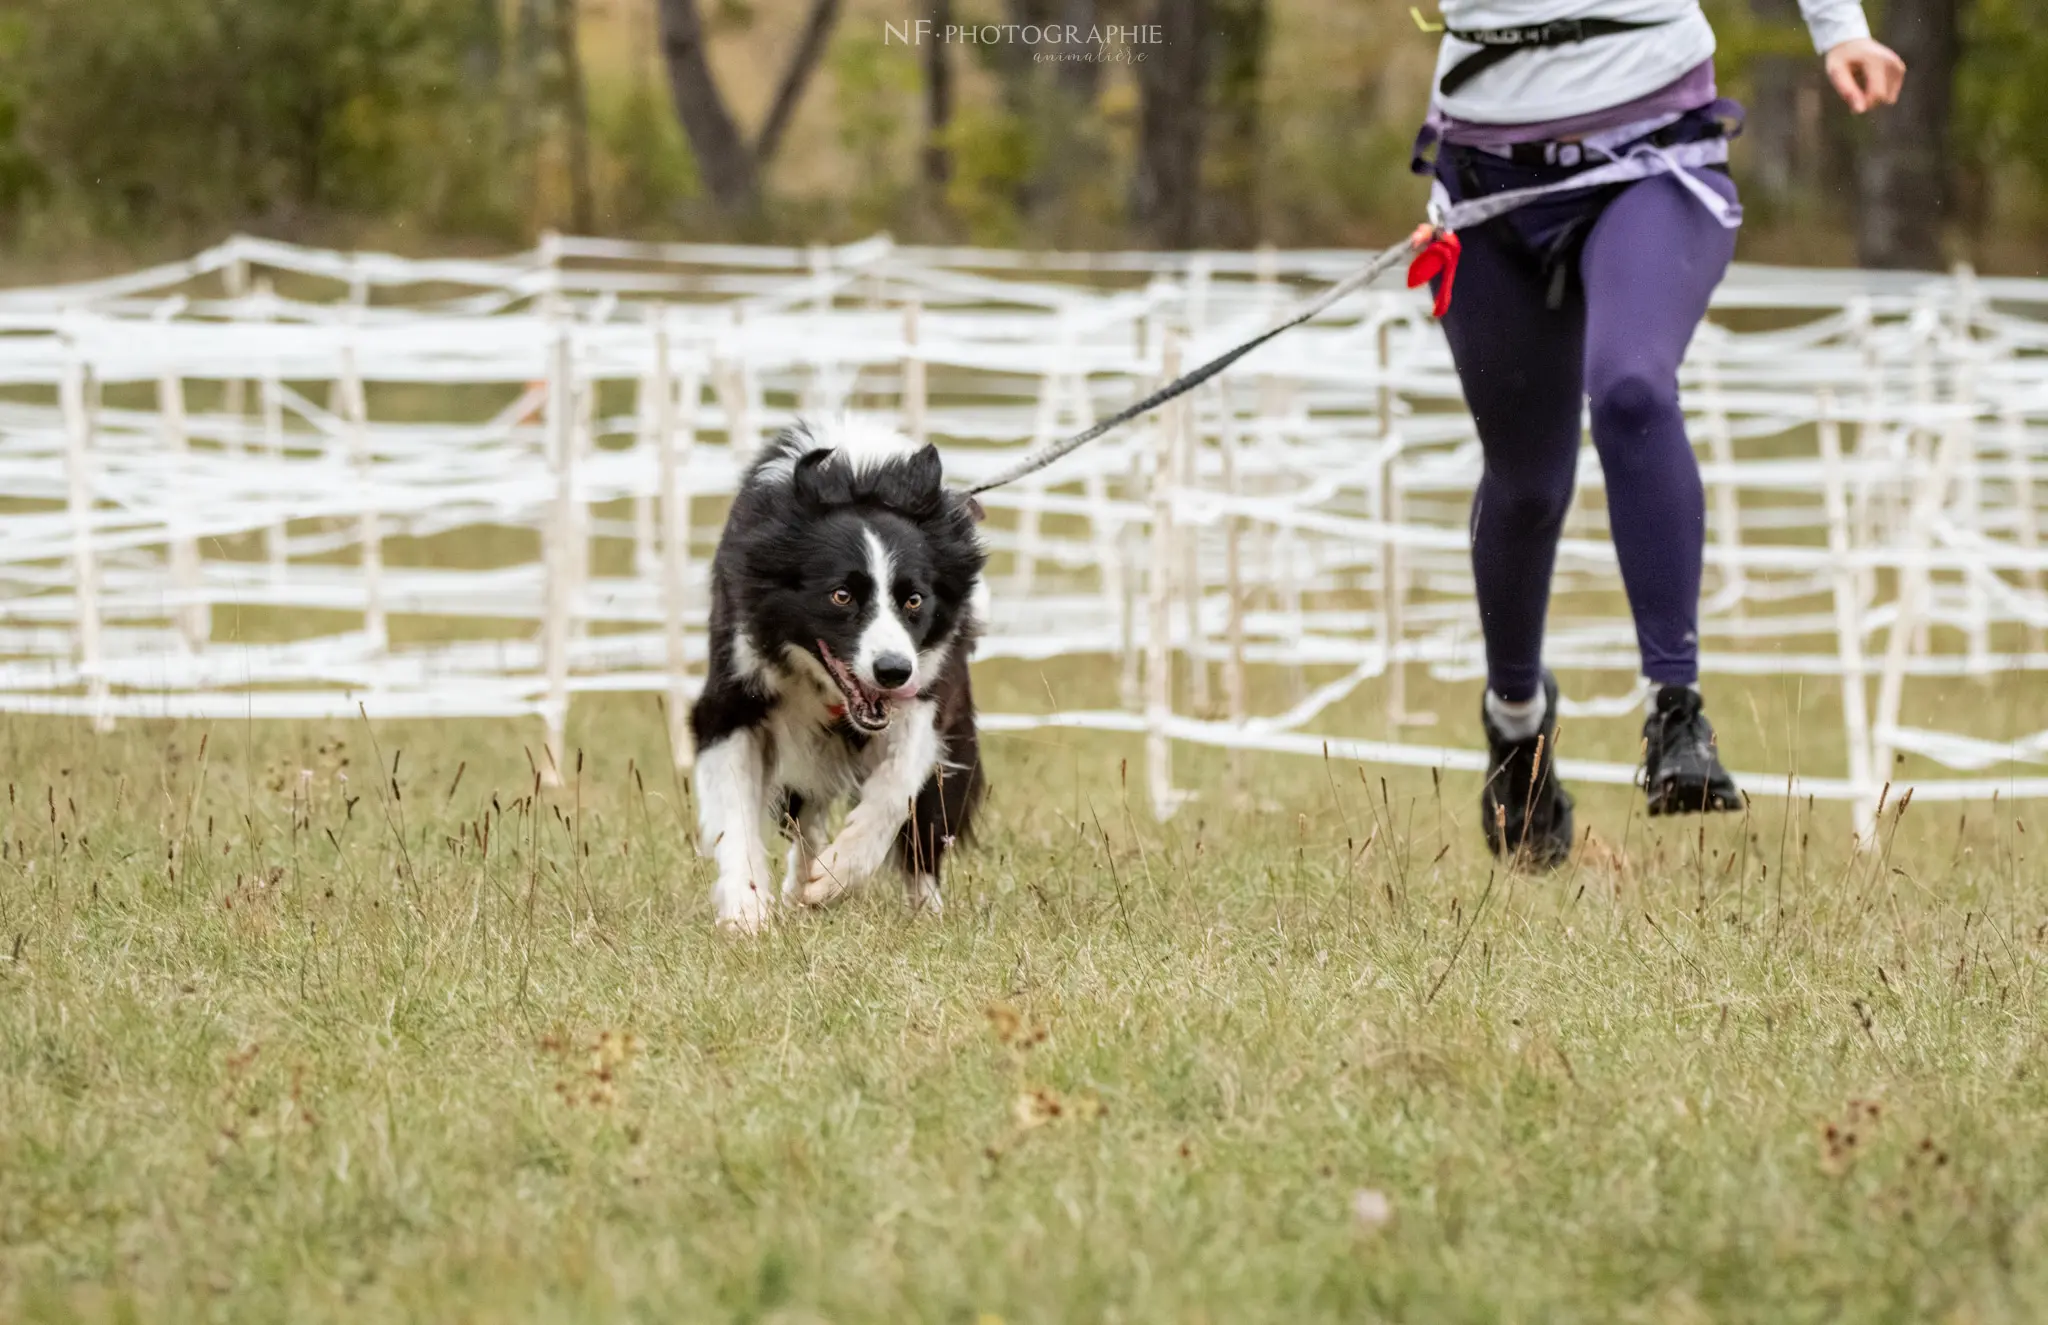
<point x="845" y="597"/>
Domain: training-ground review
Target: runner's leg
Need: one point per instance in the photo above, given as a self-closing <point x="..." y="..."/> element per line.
<point x="1649" y="265"/>
<point x="1521" y="367"/>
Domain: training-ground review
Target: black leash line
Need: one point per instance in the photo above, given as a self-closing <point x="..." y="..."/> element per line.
<point x="1188" y="381"/>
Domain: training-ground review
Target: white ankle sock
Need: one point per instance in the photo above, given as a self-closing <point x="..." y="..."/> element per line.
<point x="1517" y="720"/>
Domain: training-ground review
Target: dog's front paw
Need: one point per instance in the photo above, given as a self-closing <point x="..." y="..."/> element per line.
<point x="844" y="864"/>
<point x="742" y="909"/>
<point x="922" y="892"/>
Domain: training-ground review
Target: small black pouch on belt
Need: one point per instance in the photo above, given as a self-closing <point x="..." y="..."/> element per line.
<point x="1497" y="44"/>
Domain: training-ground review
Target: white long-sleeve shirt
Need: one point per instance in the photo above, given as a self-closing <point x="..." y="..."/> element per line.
<point x="1557" y="82"/>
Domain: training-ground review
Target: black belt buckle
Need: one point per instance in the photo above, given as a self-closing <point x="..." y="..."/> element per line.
<point x="1559" y="32"/>
<point x="1670" y="134"/>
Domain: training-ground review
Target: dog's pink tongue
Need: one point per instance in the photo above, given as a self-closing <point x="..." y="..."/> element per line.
<point x="900" y="692"/>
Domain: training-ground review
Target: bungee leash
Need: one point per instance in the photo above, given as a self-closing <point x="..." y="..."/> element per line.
<point x="1435" y="250"/>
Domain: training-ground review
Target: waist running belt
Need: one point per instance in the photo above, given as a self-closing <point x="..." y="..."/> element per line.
<point x="1497" y="44"/>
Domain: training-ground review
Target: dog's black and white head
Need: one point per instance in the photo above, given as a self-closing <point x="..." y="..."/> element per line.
<point x="852" y="566"/>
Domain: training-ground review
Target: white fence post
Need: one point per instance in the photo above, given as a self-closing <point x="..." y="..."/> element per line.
<point x="1187" y="450"/>
<point x="369" y="522"/>
<point x="1159" y="596"/>
<point x="1914" y="581"/>
<point x="1848" y="617"/>
<point x="1236" y="693"/>
<point x="2020" y="474"/>
<point x="1393" y="573"/>
<point x="76" y="392"/>
<point x="193" y="615"/>
<point x="559" y="552"/>
<point x="270" y="399"/>
<point x="675" y="433"/>
<point x="913" y="373"/>
<point x="647" y="413"/>
<point x="1734" y="587"/>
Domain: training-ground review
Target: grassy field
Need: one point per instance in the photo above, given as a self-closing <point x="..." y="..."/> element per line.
<point x="287" y="1034"/>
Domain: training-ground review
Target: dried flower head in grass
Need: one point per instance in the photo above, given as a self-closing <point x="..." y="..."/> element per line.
<point x="1036" y="1108"/>
<point x="1843" y="1141"/>
<point x="592" y="1071"/>
<point x="1601" y="859"/>
<point x="1010" y="1028"/>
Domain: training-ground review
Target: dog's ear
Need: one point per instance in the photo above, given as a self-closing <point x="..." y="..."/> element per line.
<point x="915" y="486"/>
<point x="818" y="482"/>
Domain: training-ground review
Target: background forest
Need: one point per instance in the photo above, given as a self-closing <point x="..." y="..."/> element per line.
<point x="134" y="128"/>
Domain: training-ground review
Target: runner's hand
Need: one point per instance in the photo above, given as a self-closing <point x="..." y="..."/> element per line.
<point x="1867" y="73"/>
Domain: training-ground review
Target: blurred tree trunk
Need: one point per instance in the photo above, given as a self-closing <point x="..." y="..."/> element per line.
<point x="803" y="62"/>
<point x="1173" y="84"/>
<point x="1775" y="149"/>
<point x="1905" y="182"/>
<point x="731" y="169"/>
<point x="576" y="111"/>
<point x="1012" y="59"/>
<point x="1052" y="98"/>
<point x="1081" y="79"/>
<point x="938" y="95"/>
<point x="485" y="53"/>
<point x="723" y="161"/>
<point x="1243" y="28"/>
<point x="529" y="42"/>
<point x="1031" y="97"/>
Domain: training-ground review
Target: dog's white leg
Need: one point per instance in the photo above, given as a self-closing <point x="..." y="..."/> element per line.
<point x="805" y="843"/>
<point x="921" y="890"/>
<point x="731" y="786"/>
<point x="863" y="844"/>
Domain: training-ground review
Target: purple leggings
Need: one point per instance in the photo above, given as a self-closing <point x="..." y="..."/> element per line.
<point x="1532" y="343"/>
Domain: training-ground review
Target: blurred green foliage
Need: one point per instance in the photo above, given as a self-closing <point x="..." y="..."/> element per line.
<point x="21" y="176"/>
<point x="173" y="113"/>
<point x="995" y="155"/>
<point x="875" y="87"/>
<point x="153" y="121"/>
<point x="2002" y="90"/>
<point x="647" y="175"/>
<point x="165" y="123"/>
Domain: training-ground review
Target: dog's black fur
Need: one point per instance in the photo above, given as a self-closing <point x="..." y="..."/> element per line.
<point x="808" y="651"/>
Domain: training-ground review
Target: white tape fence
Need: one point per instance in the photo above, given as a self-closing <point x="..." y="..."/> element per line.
<point x="285" y="429"/>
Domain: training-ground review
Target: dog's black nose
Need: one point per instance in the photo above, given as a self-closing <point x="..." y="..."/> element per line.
<point x="892" y="670"/>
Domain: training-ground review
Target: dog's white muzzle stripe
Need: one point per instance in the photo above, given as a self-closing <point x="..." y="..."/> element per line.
<point x="885" y="633"/>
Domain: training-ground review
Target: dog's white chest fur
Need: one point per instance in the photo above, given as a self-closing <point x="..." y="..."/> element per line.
<point x="816" y="761"/>
<point x="808" y="752"/>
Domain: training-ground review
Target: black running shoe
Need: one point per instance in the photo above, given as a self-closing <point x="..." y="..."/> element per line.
<point x="1681" y="772"/>
<point x="1525" y="811"/>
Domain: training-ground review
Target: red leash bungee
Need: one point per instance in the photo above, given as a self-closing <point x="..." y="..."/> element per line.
<point x="1438" y="257"/>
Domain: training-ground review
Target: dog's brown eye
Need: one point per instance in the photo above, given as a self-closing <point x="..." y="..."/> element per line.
<point x="912" y="603"/>
<point x="840" y="597"/>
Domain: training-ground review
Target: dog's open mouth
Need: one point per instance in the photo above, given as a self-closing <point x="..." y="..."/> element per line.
<point x="866" y="707"/>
